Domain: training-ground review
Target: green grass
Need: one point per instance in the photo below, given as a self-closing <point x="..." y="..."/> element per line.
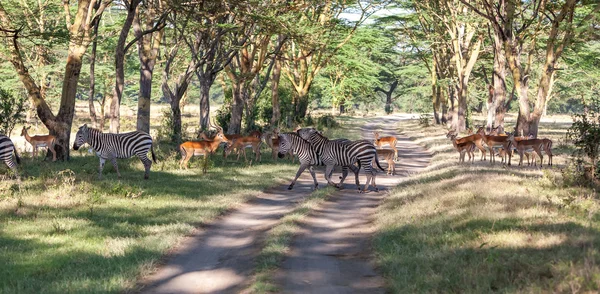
<point x="481" y="228"/>
<point x="67" y="232"/>
<point x="64" y="231"/>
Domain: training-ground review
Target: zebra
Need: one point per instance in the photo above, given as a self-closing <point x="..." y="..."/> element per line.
<point x="307" y="156"/>
<point x="344" y="153"/>
<point x="113" y="146"/>
<point x="6" y="151"/>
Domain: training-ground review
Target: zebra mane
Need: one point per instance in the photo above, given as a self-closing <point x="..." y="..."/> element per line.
<point x="295" y="135"/>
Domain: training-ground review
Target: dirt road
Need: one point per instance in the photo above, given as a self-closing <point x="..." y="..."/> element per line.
<point x="330" y="255"/>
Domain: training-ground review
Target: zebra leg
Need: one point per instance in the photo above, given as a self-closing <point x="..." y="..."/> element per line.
<point x="328" y="172"/>
<point x="344" y="175"/>
<point x="147" y="165"/>
<point x="300" y="170"/>
<point x="114" y="163"/>
<point x="356" y="169"/>
<point x="312" y="173"/>
<point x="102" y="161"/>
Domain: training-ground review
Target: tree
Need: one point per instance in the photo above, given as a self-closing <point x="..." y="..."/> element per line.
<point x="120" y="50"/>
<point x="79" y="28"/>
<point x="148" y="28"/>
<point x="313" y="46"/>
<point x="520" y="26"/>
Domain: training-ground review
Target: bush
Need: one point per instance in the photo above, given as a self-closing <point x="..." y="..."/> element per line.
<point x="12" y="111"/>
<point x="327" y="121"/>
<point x="585" y="134"/>
<point x="425" y="119"/>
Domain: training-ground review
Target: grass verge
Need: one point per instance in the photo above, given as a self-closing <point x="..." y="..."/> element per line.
<point x="481" y="228"/>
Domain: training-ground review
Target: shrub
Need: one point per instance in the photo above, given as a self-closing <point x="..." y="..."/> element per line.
<point x="12" y="111"/>
<point x="585" y="135"/>
<point x="327" y="121"/>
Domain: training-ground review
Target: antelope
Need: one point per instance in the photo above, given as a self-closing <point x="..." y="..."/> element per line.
<point x="521" y="146"/>
<point x="256" y="133"/>
<point x="240" y="144"/>
<point x="547" y="147"/>
<point x="390" y="140"/>
<point x="40" y="141"/>
<point x="475" y="138"/>
<point x="462" y="148"/>
<point x="388" y="156"/>
<point x="205" y="147"/>
<point x="492" y="141"/>
<point x="272" y="140"/>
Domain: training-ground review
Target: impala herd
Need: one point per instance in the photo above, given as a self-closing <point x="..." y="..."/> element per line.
<point x="120" y="147"/>
<point x="507" y="143"/>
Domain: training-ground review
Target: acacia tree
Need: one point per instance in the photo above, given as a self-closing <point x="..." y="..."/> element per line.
<point x="310" y="50"/>
<point x="520" y="26"/>
<point x="79" y="26"/>
<point x="120" y="50"/>
<point x="148" y="28"/>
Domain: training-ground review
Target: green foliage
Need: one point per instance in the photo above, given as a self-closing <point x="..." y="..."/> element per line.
<point x="12" y="111"/>
<point x="585" y="134"/>
<point x="327" y="121"/>
<point x="166" y="129"/>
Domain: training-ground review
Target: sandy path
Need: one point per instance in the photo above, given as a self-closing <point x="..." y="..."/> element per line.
<point x="330" y="255"/>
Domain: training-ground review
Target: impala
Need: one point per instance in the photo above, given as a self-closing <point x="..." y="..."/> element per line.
<point x="272" y="140"/>
<point x="40" y="141"/>
<point x="240" y="144"/>
<point x="205" y="147"/>
<point x="390" y="140"/>
<point x="492" y="141"/>
<point x="388" y="156"/>
<point x="521" y="146"/>
<point x="547" y="147"/>
<point x="475" y="138"/>
<point x="462" y="148"/>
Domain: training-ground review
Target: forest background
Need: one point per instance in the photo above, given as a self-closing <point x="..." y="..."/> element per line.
<point x="272" y="63"/>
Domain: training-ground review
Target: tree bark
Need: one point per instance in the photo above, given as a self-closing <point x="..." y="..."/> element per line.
<point x="204" y="104"/>
<point x="92" y="91"/>
<point x="276" y="117"/>
<point x="237" y="108"/>
<point x="115" y="104"/>
<point x="148" y="47"/>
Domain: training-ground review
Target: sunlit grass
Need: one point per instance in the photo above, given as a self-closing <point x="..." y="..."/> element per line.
<point x="481" y="228"/>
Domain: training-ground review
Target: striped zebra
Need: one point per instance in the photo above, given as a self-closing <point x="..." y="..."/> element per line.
<point x="113" y="146"/>
<point x="344" y="153"/>
<point x="307" y="155"/>
<point x="6" y="154"/>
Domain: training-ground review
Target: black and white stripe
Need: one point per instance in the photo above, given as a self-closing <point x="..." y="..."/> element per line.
<point x="112" y="146"/>
<point x="344" y="153"/>
<point x="307" y="155"/>
<point x="7" y="148"/>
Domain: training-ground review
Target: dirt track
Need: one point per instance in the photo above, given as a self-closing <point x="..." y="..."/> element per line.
<point x="330" y="255"/>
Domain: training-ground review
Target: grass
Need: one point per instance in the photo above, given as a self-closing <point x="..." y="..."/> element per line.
<point x="481" y="228"/>
<point x="64" y="231"/>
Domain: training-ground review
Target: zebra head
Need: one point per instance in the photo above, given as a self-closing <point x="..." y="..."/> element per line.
<point x="306" y="133"/>
<point x="81" y="137"/>
<point x="284" y="145"/>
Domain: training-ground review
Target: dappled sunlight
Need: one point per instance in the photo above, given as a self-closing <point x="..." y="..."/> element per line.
<point x="516" y="239"/>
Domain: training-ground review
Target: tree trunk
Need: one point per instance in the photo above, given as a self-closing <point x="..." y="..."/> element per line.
<point x="237" y="108"/>
<point x="120" y="68"/>
<point x="499" y="81"/>
<point x="93" y="79"/>
<point x="250" y="104"/>
<point x="491" y="108"/>
<point x="301" y="106"/>
<point x="143" y="113"/>
<point x="204" y="103"/>
<point x="275" y="94"/>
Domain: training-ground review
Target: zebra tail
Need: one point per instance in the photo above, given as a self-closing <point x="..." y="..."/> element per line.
<point x="377" y="161"/>
<point x="153" y="155"/>
<point x="17" y="156"/>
